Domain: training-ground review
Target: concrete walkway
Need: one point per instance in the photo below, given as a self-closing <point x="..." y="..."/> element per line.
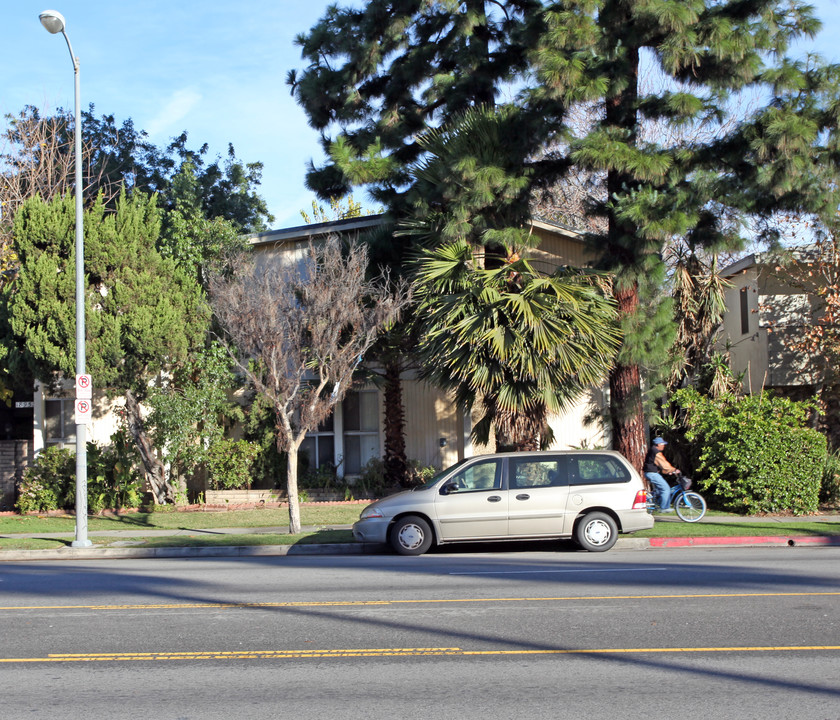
<point x="120" y="550"/>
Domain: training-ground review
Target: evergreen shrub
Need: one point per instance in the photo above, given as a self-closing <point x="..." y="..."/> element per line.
<point x="112" y="479"/>
<point x="754" y="454"/>
<point x="419" y="474"/>
<point x="46" y="483"/>
<point x="830" y="488"/>
<point x="230" y="463"/>
<point x="372" y="480"/>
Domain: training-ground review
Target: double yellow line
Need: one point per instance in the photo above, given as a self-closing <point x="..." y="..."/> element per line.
<point x="394" y="652"/>
<point x="385" y="652"/>
<point x="414" y="601"/>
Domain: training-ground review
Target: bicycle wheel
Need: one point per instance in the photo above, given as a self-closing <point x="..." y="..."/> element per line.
<point x="690" y="506"/>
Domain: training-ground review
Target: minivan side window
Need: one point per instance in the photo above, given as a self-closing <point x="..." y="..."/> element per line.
<point x="594" y="469"/>
<point x="536" y="472"/>
<point x="484" y="475"/>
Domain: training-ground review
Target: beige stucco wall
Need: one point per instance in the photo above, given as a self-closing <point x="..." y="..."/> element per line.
<point x="576" y="429"/>
<point x="748" y="351"/>
<point x="775" y="311"/>
<point x="555" y="249"/>
<point x="431" y="417"/>
<point x="436" y="433"/>
<point x="104" y="416"/>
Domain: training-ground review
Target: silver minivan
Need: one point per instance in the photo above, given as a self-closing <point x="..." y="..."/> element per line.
<point x="588" y="495"/>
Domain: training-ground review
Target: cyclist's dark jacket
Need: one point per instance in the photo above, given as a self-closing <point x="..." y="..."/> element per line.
<point x="650" y="465"/>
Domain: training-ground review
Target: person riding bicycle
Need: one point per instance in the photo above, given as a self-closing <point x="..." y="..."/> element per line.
<point x="655" y="465"/>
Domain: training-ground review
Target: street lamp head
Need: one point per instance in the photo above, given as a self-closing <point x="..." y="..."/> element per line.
<point x="53" y="21"/>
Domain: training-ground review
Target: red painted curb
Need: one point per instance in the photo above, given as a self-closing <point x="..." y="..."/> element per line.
<point x="789" y="540"/>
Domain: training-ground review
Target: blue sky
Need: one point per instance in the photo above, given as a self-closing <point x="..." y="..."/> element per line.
<point x="215" y="69"/>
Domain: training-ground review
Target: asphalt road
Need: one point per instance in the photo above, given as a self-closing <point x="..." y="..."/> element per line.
<point x="692" y="633"/>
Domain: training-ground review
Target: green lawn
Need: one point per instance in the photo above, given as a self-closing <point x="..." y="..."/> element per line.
<point x="709" y="528"/>
<point x="318" y="515"/>
<point x="319" y="537"/>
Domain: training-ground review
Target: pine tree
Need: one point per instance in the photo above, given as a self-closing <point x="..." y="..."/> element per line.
<point x="381" y="75"/>
<point x="709" y="52"/>
<point x="392" y="69"/>
<point x="143" y="314"/>
<point x="364" y="73"/>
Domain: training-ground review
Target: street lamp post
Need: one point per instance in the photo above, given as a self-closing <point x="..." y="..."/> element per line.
<point x="54" y="22"/>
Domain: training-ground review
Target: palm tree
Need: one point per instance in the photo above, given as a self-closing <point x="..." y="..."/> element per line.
<point x="699" y="294"/>
<point x="520" y="344"/>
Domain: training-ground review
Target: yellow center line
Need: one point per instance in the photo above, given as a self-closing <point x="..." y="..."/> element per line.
<point x="417" y="601"/>
<point x="387" y="652"/>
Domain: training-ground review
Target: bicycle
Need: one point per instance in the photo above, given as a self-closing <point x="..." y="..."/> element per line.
<point x="689" y="505"/>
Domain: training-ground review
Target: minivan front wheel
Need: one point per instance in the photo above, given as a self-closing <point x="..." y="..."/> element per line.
<point x="411" y="535"/>
<point x="596" y="532"/>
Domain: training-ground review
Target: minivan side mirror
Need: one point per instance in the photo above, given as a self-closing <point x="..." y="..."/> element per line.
<point x="449" y="487"/>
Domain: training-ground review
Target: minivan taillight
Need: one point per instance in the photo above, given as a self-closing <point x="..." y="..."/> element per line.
<point x="641" y="501"/>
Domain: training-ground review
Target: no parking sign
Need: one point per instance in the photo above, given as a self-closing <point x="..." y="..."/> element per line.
<point x="84" y="386"/>
<point x="83" y="408"/>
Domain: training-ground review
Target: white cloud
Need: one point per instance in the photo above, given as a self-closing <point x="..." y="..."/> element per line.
<point x="179" y="105"/>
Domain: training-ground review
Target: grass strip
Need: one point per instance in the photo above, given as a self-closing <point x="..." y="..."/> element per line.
<point x="709" y="528"/>
<point x="319" y="515"/>
<point x="225" y="540"/>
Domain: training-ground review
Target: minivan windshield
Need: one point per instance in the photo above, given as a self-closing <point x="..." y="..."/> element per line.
<point x="431" y="483"/>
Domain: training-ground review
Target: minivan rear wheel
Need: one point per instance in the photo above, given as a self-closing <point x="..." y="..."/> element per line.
<point x="596" y="532"/>
<point x="411" y="535"/>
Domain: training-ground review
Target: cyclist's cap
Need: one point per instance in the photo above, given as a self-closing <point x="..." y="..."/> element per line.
<point x="659" y="441"/>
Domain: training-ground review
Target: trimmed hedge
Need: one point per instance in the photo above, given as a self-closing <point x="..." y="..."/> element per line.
<point x="754" y="454"/>
<point x="229" y="464"/>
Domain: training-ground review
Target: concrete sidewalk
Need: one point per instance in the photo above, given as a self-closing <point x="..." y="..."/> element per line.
<point x="628" y="543"/>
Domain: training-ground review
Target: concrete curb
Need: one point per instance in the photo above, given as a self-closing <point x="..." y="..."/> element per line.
<point x="631" y="543"/>
<point x="789" y="540"/>
<point x="97" y="553"/>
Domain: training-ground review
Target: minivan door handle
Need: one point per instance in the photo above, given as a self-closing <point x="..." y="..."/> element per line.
<point x="494" y="498"/>
<point x="523" y="496"/>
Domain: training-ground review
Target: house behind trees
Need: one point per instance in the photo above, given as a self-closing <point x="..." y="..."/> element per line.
<point x="437" y="432"/>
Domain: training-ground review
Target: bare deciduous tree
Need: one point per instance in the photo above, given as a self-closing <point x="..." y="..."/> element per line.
<point x="37" y="158"/>
<point x="298" y="332"/>
<point x="809" y="330"/>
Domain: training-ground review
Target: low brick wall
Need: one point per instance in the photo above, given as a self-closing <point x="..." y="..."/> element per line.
<point x="239" y="497"/>
<point x="251" y="497"/>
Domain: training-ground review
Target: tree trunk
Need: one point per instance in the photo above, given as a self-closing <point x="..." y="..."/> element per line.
<point x="162" y="491"/>
<point x="527" y="444"/>
<point x="626" y="411"/>
<point x="292" y="488"/>
<point x="623" y="246"/>
<point x="396" y="463"/>
<point x="627" y="415"/>
<point x="484" y="89"/>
